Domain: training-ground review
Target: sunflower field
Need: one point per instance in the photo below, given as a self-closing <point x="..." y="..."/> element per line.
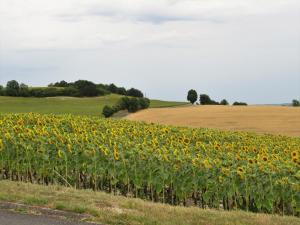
<point x="200" y="167"/>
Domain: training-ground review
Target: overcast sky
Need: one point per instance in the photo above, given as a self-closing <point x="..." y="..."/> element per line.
<point x="246" y="50"/>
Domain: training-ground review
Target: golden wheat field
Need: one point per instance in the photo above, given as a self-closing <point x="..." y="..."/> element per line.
<point x="261" y="119"/>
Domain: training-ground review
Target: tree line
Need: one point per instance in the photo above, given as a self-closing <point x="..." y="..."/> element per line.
<point x="204" y="99"/>
<point x="79" y="88"/>
<point x="126" y="103"/>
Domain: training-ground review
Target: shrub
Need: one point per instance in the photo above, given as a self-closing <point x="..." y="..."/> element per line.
<point x="12" y="88"/>
<point x="240" y="103"/>
<point x="224" y="102"/>
<point x="107" y="111"/>
<point x="295" y="102"/>
<point x="206" y="100"/>
<point x="124" y="103"/>
<point x="144" y="103"/>
<point x="192" y="96"/>
<point x="133" y="105"/>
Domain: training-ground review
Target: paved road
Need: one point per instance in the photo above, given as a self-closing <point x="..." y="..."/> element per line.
<point x="12" y="218"/>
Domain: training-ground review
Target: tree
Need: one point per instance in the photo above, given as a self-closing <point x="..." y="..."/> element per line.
<point x="205" y="99"/>
<point x="60" y="84"/>
<point x="121" y="91"/>
<point x="192" y="96"/>
<point x="135" y="93"/>
<point x="295" y="102"/>
<point x="24" y="90"/>
<point x="112" y="88"/>
<point x="224" y="102"/>
<point x="12" y="88"/>
<point x="86" y="88"/>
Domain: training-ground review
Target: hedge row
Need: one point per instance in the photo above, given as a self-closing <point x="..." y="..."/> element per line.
<point x="126" y="103"/>
<point x="80" y="88"/>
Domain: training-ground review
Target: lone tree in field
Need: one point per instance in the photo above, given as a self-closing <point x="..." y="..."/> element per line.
<point x="295" y="102"/>
<point x="192" y="96"/>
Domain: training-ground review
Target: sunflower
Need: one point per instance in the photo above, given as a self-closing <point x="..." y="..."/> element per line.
<point x="250" y="161"/>
<point x="186" y="141"/>
<point x="265" y="158"/>
<point x="240" y="172"/>
<point x="294" y="154"/>
<point x="295" y="160"/>
<point x="240" y="169"/>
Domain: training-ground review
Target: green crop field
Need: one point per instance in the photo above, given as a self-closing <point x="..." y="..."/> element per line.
<point x="237" y="170"/>
<point x="67" y="105"/>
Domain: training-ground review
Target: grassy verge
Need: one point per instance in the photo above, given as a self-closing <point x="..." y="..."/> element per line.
<point x="66" y="105"/>
<point x="108" y="209"/>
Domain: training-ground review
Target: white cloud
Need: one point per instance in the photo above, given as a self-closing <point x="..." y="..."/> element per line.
<point x="203" y="41"/>
<point x="95" y="24"/>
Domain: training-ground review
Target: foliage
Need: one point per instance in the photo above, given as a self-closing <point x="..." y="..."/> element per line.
<point x="240" y="103"/>
<point x="192" y="96"/>
<point x="128" y="103"/>
<point x="133" y="105"/>
<point x="60" y="84"/>
<point x="12" y="88"/>
<point x="295" y="102"/>
<point x="24" y="90"/>
<point x="86" y="88"/>
<point x="238" y="170"/>
<point x="224" y="102"/>
<point x="1" y="90"/>
<point x="206" y="100"/>
<point x="79" y="88"/>
<point x="108" y="111"/>
<point x="144" y="103"/>
<point x="135" y="93"/>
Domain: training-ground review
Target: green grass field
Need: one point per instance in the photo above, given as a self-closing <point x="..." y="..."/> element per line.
<point x="67" y="105"/>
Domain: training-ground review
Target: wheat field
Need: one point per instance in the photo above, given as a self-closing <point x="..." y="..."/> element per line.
<point x="282" y="120"/>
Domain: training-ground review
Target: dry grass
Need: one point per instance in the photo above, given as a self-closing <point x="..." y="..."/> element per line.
<point x="108" y="209"/>
<point x="261" y="119"/>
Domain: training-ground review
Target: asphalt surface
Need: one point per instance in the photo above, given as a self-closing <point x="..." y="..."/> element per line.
<point x="13" y="218"/>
